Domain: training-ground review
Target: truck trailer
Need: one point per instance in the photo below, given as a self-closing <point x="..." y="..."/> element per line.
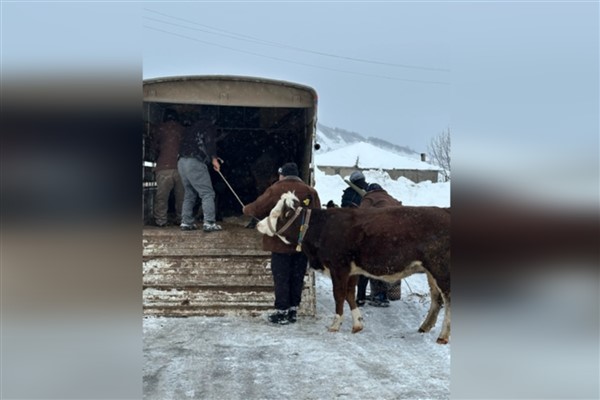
<point x="261" y="124"/>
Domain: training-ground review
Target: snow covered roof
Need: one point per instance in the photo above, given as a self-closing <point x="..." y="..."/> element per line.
<point x="369" y="156"/>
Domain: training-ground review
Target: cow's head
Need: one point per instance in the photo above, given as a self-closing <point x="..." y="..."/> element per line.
<point x="282" y="216"/>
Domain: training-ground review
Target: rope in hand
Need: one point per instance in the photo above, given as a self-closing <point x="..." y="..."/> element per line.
<point x="230" y="188"/>
<point x="233" y="191"/>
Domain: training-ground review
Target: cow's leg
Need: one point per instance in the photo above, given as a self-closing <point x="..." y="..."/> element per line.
<point x="357" y="324"/>
<point x="340" y="287"/>
<point x="435" y="305"/>
<point x="445" y="333"/>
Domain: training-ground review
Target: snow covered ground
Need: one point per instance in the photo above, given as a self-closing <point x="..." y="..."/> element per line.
<point x="250" y="358"/>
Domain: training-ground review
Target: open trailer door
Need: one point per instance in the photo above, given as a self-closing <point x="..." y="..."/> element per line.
<point x="261" y="125"/>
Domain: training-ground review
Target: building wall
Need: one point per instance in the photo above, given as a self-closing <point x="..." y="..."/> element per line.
<point x="415" y="175"/>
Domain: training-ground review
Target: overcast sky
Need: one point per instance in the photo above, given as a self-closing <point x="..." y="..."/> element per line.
<point x="510" y="79"/>
<point x="381" y="70"/>
<point x="418" y="61"/>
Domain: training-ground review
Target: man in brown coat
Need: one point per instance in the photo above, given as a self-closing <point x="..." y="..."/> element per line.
<point x="166" y="146"/>
<point x="377" y="197"/>
<point x="288" y="266"/>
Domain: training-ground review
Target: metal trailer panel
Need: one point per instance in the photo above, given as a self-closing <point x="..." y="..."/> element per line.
<point x="229" y="91"/>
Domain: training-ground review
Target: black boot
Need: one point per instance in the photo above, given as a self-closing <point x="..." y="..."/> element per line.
<point x="361" y="292"/>
<point x="291" y="315"/>
<point x="279" y="317"/>
<point x="380" y="300"/>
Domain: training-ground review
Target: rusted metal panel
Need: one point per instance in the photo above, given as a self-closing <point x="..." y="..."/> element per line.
<point x="173" y="242"/>
<point x="207" y="297"/>
<point x="219" y="311"/>
<point x="221" y="273"/>
<point x="239" y="265"/>
<point x="207" y="272"/>
<point x="204" y="300"/>
<point x="166" y="250"/>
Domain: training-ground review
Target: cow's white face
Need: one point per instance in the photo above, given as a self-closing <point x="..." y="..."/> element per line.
<point x="268" y="225"/>
<point x="263" y="225"/>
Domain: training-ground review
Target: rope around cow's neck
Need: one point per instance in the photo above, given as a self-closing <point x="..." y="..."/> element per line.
<point x="284" y="227"/>
<point x="303" y="225"/>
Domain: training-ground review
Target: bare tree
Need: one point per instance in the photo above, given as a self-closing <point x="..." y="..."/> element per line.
<point x="439" y="152"/>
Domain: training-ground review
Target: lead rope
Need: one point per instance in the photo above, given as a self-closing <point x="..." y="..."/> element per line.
<point x="230" y="188"/>
<point x="303" y="229"/>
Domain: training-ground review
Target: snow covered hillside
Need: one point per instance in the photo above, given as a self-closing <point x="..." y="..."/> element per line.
<point x="335" y="138"/>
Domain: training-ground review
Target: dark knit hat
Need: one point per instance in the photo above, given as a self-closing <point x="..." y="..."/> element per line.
<point x="374" y="186"/>
<point x="288" y="169"/>
<point x="356" y="176"/>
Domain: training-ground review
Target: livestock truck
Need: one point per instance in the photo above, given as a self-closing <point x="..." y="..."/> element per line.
<point x="261" y="124"/>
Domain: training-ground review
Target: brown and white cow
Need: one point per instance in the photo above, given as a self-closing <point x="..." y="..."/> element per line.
<point x="383" y="243"/>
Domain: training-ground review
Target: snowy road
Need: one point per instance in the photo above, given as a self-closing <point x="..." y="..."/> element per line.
<point x="247" y="358"/>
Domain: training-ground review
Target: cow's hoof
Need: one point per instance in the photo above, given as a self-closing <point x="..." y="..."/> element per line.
<point x="333" y="329"/>
<point x="442" y="341"/>
<point x="356" y="329"/>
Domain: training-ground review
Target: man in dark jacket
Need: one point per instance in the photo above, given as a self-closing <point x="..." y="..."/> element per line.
<point x="351" y="198"/>
<point x="198" y="149"/>
<point x="288" y="266"/>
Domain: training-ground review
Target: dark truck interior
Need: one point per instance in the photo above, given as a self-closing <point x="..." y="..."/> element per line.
<point x="253" y="142"/>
